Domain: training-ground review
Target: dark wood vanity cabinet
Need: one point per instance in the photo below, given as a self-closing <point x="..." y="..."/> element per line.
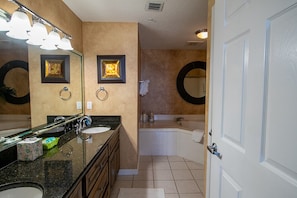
<point x="114" y="158"/>
<point x="101" y="176"/>
<point x="96" y="179"/>
<point x="77" y="192"/>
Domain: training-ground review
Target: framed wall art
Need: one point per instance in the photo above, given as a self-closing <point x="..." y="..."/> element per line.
<point x="111" y="69"/>
<point x="55" y="68"/>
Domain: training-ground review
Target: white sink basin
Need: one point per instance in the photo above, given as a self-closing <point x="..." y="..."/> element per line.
<point x="24" y="192"/>
<point x="94" y="130"/>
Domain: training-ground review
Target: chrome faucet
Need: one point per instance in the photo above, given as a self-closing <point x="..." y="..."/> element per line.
<point x="179" y="119"/>
<point x="83" y="122"/>
<point x="59" y="118"/>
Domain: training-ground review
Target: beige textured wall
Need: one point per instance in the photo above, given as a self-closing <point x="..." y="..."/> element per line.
<point x="161" y="67"/>
<point x="114" y="39"/>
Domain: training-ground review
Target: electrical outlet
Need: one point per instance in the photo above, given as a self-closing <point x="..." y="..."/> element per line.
<point x="89" y="105"/>
<point x="78" y="105"/>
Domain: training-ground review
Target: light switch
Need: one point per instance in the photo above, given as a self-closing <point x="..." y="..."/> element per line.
<point x="89" y="105"/>
<point x="78" y="105"/>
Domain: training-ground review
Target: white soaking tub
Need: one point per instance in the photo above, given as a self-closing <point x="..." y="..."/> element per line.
<point x="168" y="137"/>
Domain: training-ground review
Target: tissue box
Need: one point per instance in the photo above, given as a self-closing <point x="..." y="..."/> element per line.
<point x="29" y="149"/>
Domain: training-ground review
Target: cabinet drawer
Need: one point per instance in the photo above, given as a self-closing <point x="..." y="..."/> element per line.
<point x="100" y="185"/>
<point x="97" y="168"/>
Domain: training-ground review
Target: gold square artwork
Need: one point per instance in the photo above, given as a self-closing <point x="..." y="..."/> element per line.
<point x="53" y="68"/>
<point x="111" y="69"/>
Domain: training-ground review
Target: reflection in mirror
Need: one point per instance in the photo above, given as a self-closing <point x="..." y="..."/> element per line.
<point x="190" y="82"/>
<point x="14" y="117"/>
<point x="45" y="98"/>
<point x="194" y="83"/>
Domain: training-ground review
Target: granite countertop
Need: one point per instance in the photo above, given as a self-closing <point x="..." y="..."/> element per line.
<point x="60" y="168"/>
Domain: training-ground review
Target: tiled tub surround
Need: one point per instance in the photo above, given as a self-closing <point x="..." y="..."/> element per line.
<point x="169" y="137"/>
<point x="59" y="169"/>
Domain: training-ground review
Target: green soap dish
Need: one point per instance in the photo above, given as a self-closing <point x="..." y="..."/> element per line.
<point x="49" y="142"/>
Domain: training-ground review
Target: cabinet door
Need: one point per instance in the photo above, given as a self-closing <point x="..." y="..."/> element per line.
<point x="77" y="192"/>
<point x="112" y="169"/>
<point x="95" y="171"/>
<point x="101" y="184"/>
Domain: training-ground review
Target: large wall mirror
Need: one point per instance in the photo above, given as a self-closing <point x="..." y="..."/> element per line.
<point x="30" y="85"/>
<point x="190" y="82"/>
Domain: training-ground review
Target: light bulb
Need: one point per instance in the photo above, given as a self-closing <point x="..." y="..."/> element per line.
<point x="19" y="25"/>
<point x="37" y="34"/>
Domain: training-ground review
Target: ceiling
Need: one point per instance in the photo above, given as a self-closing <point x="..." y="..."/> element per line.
<point x="172" y="28"/>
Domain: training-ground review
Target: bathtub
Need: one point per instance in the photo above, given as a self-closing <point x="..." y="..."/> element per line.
<point x="167" y="137"/>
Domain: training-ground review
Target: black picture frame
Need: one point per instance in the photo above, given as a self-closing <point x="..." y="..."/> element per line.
<point x="111" y="68"/>
<point x="55" y="68"/>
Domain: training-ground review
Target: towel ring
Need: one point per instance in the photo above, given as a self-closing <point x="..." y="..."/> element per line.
<point x="101" y="94"/>
<point x="65" y="89"/>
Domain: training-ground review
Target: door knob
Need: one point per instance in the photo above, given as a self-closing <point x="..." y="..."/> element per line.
<point x="213" y="149"/>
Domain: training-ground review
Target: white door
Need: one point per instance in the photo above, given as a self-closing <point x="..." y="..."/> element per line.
<point x="254" y="99"/>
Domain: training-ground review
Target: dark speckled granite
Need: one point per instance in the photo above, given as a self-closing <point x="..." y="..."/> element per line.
<point x="61" y="167"/>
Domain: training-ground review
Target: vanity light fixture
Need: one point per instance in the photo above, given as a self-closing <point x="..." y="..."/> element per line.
<point x="202" y="34"/>
<point x="19" y="25"/>
<point x="52" y="40"/>
<point x="38" y="33"/>
<point x="65" y="44"/>
<point x="20" y="28"/>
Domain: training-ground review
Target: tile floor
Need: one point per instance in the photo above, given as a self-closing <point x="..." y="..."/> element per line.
<point x="179" y="177"/>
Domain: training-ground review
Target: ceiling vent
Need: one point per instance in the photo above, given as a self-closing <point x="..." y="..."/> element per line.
<point x="154" y="6"/>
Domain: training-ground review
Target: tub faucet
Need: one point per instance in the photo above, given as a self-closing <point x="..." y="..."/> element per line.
<point x="178" y="119"/>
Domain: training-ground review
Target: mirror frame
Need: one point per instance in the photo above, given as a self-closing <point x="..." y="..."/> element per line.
<point x="180" y="82"/>
<point x="5" y="69"/>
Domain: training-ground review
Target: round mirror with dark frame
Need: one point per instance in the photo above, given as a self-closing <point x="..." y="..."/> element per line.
<point x="190" y="82"/>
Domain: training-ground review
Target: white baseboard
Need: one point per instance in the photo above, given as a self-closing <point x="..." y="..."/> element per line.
<point x="128" y="172"/>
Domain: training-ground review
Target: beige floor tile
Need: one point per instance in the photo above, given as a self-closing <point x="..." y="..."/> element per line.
<point x="144" y="175"/>
<point x="145" y="165"/>
<point x="143" y="184"/>
<point x="114" y="195"/>
<point x="198" y="174"/>
<point x="194" y="165"/>
<point x="168" y="186"/>
<point x="174" y="158"/>
<point x="200" y="183"/>
<point x="178" y="165"/>
<point x="121" y="184"/>
<point x="187" y="187"/>
<point x="171" y="196"/>
<point x="163" y="175"/>
<point x="161" y="165"/>
<point x="160" y="158"/>
<point x="145" y="158"/>
<point x="190" y="195"/>
<point x="124" y="177"/>
<point x="182" y="175"/>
